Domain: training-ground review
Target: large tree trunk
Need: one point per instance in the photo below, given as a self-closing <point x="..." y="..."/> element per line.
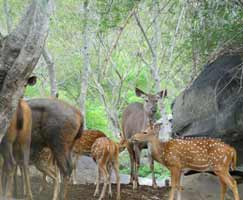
<point x="19" y="53"/>
<point x="51" y="72"/>
<point x="86" y="62"/>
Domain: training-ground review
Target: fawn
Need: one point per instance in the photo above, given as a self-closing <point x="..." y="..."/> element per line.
<point x="82" y="146"/>
<point x="198" y="154"/>
<point x="45" y="163"/>
<point x="105" y="152"/>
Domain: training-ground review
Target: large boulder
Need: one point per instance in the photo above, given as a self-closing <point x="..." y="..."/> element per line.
<point x="213" y="105"/>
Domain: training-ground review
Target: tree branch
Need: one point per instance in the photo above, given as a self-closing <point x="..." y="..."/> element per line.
<point x="144" y="34"/>
<point x="113" y="47"/>
<point x="51" y="71"/>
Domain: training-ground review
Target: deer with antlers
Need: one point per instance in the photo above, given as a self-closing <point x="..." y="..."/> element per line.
<point x="105" y="152"/>
<point x="198" y="154"/>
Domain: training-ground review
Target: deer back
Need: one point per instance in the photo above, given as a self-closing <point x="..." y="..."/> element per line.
<point x="84" y="143"/>
<point x="104" y="150"/>
<point x="197" y="153"/>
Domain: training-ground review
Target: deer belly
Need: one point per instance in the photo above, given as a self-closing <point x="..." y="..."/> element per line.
<point x="199" y="164"/>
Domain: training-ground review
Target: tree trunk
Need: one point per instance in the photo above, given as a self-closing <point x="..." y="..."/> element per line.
<point x="51" y="71"/>
<point x="19" y="53"/>
<point x="86" y="62"/>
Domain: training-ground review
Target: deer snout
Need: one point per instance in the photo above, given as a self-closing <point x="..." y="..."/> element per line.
<point x="154" y="110"/>
<point x="132" y="140"/>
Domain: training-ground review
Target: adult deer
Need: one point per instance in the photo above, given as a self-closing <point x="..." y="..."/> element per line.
<point x="56" y="125"/>
<point x="198" y="154"/>
<point x="136" y="117"/>
<point x="15" y="147"/>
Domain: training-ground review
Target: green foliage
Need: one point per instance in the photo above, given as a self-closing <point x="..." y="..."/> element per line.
<point x="205" y="27"/>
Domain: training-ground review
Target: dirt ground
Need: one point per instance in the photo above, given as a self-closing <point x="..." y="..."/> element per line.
<point x="85" y="192"/>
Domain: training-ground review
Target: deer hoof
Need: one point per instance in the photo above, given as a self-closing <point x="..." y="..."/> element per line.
<point x="110" y="195"/>
<point x="96" y="193"/>
<point x="135" y="185"/>
<point x="155" y="186"/>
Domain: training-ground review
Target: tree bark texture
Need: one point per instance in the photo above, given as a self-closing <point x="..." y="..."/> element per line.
<point x="51" y="71"/>
<point x="19" y="53"/>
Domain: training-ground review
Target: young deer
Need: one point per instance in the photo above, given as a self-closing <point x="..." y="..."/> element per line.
<point x="105" y="152"/>
<point x="45" y="163"/>
<point x="82" y="146"/>
<point x="198" y="154"/>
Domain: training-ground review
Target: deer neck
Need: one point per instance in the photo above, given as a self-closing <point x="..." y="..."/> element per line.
<point x="156" y="149"/>
<point x="121" y="148"/>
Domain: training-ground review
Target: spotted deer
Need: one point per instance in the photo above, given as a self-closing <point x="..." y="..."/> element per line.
<point x="136" y="117"/>
<point x="105" y="152"/>
<point x="82" y="146"/>
<point x="15" y="147"/>
<point x="198" y="154"/>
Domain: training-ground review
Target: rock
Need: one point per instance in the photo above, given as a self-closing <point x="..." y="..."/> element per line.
<point x="86" y="173"/>
<point x="204" y="187"/>
<point x="213" y="105"/>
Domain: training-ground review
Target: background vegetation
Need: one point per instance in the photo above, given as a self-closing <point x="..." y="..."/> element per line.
<point x="110" y="47"/>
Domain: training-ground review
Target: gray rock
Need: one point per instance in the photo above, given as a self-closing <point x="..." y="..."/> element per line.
<point x="204" y="187"/>
<point x="213" y="105"/>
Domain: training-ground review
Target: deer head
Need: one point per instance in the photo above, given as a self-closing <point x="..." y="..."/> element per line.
<point x="150" y="101"/>
<point x="148" y="134"/>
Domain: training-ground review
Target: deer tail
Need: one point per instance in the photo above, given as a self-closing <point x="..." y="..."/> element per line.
<point x="234" y="159"/>
<point x="20" y="116"/>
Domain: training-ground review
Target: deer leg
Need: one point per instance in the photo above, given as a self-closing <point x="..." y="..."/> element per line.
<point x="97" y="189"/>
<point x="175" y="174"/>
<point x="53" y="173"/>
<point x="132" y="162"/>
<point x="74" y="174"/>
<point x="8" y="169"/>
<point x="105" y="175"/>
<point x="151" y="162"/>
<point x="223" y="189"/>
<point x="56" y="179"/>
<point x="137" y="164"/>
<point x="16" y="182"/>
<point x="179" y="186"/>
<point x="109" y="180"/>
<point x="26" y="154"/>
<point x="230" y="182"/>
<point x="64" y="185"/>
<point x="116" y="168"/>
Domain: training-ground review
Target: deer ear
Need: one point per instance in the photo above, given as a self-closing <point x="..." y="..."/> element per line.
<point x="139" y="92"/>
<point x="162" y="93"/>
<point x="32" y="80"/>
<point x="157" y="127"/>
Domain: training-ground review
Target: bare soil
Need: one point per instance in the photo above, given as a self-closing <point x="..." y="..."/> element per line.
<point x="85" y="192"/>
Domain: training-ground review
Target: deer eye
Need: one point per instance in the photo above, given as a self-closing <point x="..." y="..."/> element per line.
<point x="144" y="132"/>
<point x="146" y="100"/>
